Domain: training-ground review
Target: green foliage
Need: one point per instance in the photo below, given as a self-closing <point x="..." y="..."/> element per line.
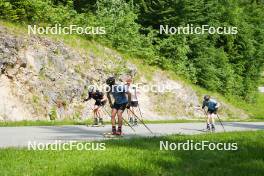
<point x="122" y="32"/>
<point x="43" y="123"/>
<point x="255" y="110"/>
<point x="7" y="12"/>
<point x="53" y="113"/>
<point x="35" y="99"/>
<point x="229" y="64"/>
<point x="76" y="116"/>
<point x="36" y="12"/>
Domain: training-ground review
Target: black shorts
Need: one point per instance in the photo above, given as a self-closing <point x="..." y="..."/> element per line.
<point x="99" y="103"/>
<point x="212" y="111"/>
<point x="119" y="106"/>
<point x="134" y="103"/>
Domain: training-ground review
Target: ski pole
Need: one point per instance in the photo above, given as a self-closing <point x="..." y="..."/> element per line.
<point x="220" y="121"/>
<point x="141" y="121"/>
<point x="122" y="119"/>
<point x="140" y="111"/>
<point x="130" y="116"/>
<point x="91" y="109"/>
<point x="206" y="115"/>
<point x="204" y="112"/>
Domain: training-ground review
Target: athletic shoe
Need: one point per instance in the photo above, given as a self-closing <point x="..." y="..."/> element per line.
<point x="213" y="127"/>
<point x="95" y="122"/>
<point x="101" y="121"/>
<point x="119" y="131"/>
<point x="135" y="122"/>
<point x="113" y="130"/>
<point x="208" y="127"/>
<point x="130" y="120"/>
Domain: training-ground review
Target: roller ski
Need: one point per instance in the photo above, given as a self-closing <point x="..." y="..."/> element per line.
<point x="212" y="128"/>
<point x="101" y="123"/>
<point x="114" y="133"/>
<point x="209" y="128"/>
<point x="111" y="135"/>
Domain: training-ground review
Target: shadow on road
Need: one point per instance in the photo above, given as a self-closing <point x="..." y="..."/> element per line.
<point x="78" y="133"/>
<point x="244" y="125"/>
<point x="75" y="132"/>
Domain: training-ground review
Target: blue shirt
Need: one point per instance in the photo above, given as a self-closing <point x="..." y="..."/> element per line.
<point x="211" y="104"/>
<point x="119" y="93"/>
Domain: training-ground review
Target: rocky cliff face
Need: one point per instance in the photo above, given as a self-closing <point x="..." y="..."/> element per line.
<point x="43" y="79"/>
<point x="40" y="77"/>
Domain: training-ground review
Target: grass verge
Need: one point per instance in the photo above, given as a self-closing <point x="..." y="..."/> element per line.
<point x="89" y="122"/>
<point x="73" y="122"/>
<point x="42" y="123"/>
<point x="142" y="156"/>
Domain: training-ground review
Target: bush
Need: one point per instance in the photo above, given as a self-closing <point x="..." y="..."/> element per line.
<point x="53" y="113"/>
<point x="230" y="64"/>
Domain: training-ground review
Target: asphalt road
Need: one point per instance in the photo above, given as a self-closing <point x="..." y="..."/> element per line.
<point x="21" y="136"/>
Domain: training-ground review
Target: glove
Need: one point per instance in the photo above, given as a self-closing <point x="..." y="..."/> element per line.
<point x="128" y="105"/>
<point x="98" y="101"/>
<point x="86" y="99"/>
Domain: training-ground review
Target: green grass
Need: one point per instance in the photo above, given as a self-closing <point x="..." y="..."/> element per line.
<point x="74" y="122"/>
<point x="200" y="120"/>
<point x="256" y="110"/>
<point x="142" y="156"/>
<point x="43" y="123"/>
<point x="89" y="122"/>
